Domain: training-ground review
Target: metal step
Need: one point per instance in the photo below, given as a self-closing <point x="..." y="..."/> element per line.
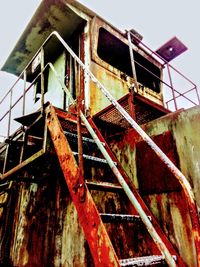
<point x="85" y="139"/>
<point x="94" y="159"/>
<point x="118" y="218"/>
<point x="143" y="261"/>
<point x="104" y="186"/>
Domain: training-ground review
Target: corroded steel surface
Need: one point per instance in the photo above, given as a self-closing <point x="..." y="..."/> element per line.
<point x="23" y="164"/>
<point x="163" y="180"/>
<point x="141" y="202"/>
<point x="171" y="209"/>
<point x="95" y="233"/>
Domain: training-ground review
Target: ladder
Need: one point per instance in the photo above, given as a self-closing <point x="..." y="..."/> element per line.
<point x="91" y="219"/>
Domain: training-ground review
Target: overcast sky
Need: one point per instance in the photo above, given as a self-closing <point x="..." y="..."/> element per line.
<point x="156" y="20"/>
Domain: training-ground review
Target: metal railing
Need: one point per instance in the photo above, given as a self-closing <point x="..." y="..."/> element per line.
<point x="175" y="93"/>
<point x="161" y="246"/>
<point x="174" y="170"/>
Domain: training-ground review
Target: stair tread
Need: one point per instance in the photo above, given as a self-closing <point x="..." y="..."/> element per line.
<point x="142" y="261"/>
<point x="85" y="139"/>
<point x="103" y="186"/>
<point x="93" y="158"/>
<point x="110" y="217"/>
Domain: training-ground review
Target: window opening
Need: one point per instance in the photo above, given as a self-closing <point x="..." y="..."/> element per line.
<point x="116" y="53"/>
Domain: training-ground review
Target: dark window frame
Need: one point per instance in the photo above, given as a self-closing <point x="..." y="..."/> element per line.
<point x="116" y="53"/>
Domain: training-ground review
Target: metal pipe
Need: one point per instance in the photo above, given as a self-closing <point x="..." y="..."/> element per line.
<point x="172" y="88"/>
<point x="173" y="94"/>
<point x="183" y="95"/>
<point x="11" y="88"/>
<point x="10" y="113"/>
<point x="42" y="79"/>
<point x="165" y="61"/>
<point x="24" y="94"/>
<point x="28" y="88"/>
<point x="198" y="97"/>
<point x="132" y="61"/>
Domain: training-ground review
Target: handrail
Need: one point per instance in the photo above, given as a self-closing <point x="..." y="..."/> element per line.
<point x="163" y="60"/>
<point x="165" y="83"/>
<point x="161" y="246"/>
<point x="183" y="95"/>
<point x="170" y="165"/>
<point x="180" y="177"/>
<point x="17" y="101"/>
<point x="155" y="55"/>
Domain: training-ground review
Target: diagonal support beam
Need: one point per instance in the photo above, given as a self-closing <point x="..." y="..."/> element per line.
<point x="100" y="245"/>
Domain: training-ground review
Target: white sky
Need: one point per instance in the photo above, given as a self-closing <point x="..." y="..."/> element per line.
<point x="156" y="20"/>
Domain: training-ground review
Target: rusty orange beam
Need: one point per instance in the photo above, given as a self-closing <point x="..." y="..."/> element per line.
<point x="99" y="242"/>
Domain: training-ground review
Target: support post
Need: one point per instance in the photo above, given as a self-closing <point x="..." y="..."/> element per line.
<point x="172" y="87"/>
<point x="24" y="94"/>
<point x="132" y="61"/>
<point x="42" y="80"/>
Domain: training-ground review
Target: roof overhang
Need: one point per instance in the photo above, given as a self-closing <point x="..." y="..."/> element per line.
<point x="51" y="15"/>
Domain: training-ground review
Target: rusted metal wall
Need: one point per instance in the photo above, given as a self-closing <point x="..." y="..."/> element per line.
<point x="116" y="86"/>
<point x="45" y="229"/>
<point x="178" y="135"/>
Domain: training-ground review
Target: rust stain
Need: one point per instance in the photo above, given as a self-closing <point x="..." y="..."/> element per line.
<point x="99" y="246"/>
<point x="155" y="177"/>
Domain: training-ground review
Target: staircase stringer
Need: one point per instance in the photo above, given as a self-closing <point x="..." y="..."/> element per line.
<point x="165" y="240"/>
<point x="95" y="233"/>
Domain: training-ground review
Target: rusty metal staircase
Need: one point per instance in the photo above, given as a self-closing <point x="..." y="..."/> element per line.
<point x="92" y="221"/>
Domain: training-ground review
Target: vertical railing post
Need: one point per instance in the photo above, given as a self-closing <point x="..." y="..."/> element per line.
<point x="24" y="94"/>
<point x="42" y="79"/>
<point x="198" y="97"/>
<point x="132" y="61"/>
<point x="172" y="87"/>
<point x="10" y="113"/>
<point x="81" y="188"/>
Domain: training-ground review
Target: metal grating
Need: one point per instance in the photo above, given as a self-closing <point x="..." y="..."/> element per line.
<point x="71" y="126"/>
<point x="113" y="116"/>
<point x="145" y="111"/>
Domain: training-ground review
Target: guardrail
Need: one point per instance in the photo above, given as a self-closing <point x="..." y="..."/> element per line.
<point x="171" y="103"/>
<point x="176" y="94"/>
<point x="174" y="170"/>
